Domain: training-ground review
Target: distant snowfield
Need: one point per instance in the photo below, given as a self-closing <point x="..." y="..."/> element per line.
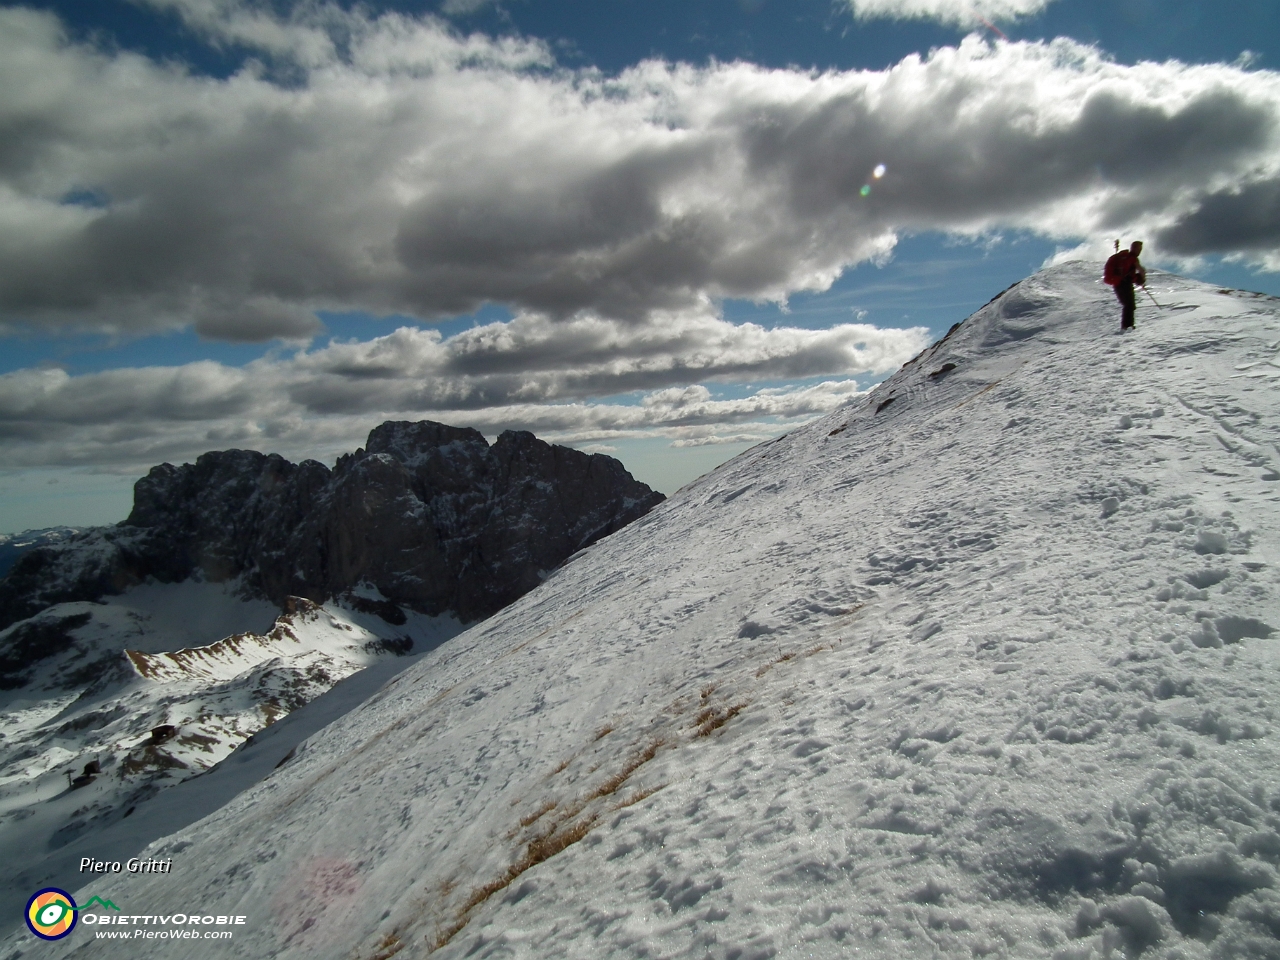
<point x="984" y="665"/>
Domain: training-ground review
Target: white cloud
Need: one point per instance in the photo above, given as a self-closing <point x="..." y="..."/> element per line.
<point x="960" y="13"/>
<point x="387" y="164"/>
<point x="529" y="373"/>
<point x="534" y="359"/>
<point x="716" y="440"/>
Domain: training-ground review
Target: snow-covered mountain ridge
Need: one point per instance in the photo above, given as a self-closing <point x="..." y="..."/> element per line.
<point x="982" y="665"/>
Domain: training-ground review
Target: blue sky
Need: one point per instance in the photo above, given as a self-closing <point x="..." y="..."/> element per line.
<point x="664" y="230"/>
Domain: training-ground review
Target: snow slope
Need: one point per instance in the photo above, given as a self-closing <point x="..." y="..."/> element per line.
<point x="125" y="672"/>
<point x="187" y="801"/>
<point x="981" y="665"/>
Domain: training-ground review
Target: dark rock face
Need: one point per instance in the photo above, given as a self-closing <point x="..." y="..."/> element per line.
<point x="429" y="514"/>
<point x="32" y="642"/>
<point x="14" y="546"/>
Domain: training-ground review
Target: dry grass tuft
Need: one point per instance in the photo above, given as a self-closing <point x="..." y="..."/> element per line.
<point x="603" y="732"/>
<point x="618" y="779"/>
<point x="546" y="847"/>
<point x="531" y="819"/>
<point x="448" y="933"/>
<point x="713" y="718"/>
<point x="391" y="945"/>
<point x="561" y="833"/>
<point x="793" y="654"/>
<point x="637" y="797"/>
<point x="561" y="766"/>
<point x="538" y="849"/>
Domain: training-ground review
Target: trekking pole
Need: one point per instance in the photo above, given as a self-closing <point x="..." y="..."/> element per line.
<point x="1153" y="299"/>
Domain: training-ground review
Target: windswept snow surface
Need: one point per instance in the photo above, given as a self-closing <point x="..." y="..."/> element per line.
<point x="987" y="670"/>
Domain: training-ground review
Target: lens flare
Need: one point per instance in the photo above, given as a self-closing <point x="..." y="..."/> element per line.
<point x="866" y="189"/>
<point x="879" y="171"/>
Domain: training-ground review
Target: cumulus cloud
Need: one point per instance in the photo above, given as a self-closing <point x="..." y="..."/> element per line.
<point x="390" y="165"/>
<point x="528" y="373"/>
<point x="1243" y="217"/>
<point x="960" y="13"/>
<point x="534" y="359"/>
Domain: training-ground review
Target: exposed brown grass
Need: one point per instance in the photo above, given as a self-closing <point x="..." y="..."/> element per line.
<point x="989" y="386"/>
<point x="540" y="848"/>
<point x="546" y="847"/>
<point x="792" y="654"/>
<point x="573" y="822"/>
<point x="532" y="818"/>
<point x="631" y="766"/>
<point x="445" y="934"/>
<point x="637" y="797"/>
<point x="781" y="658"/>
<point x="567" y="829"/>
<point x="391" y="945"/>
<point x="713" y="718"/>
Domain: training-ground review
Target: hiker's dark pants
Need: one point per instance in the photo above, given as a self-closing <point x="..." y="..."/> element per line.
<point x="1124" y="293"/>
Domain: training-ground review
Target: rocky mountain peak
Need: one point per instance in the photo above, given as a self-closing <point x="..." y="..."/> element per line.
<point x="408" y="441"/>
<point x="429" y="514"/>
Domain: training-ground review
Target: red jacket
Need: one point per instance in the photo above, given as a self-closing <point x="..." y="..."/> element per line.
<point x="1124" y="267"/>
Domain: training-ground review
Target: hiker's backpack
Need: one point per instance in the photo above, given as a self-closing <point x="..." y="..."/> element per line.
<point x="1117" y="268"/>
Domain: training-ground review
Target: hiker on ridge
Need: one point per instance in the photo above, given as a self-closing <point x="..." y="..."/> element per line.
<point x="1122" y="271"/>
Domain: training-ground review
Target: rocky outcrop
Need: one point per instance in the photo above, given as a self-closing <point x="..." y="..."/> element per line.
<point x="431" y="515"/>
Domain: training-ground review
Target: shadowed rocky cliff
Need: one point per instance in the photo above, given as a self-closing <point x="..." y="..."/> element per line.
<point x="431" y="515"/>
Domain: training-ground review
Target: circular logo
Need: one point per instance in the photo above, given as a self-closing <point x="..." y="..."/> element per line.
<point x="51" y="913"/>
